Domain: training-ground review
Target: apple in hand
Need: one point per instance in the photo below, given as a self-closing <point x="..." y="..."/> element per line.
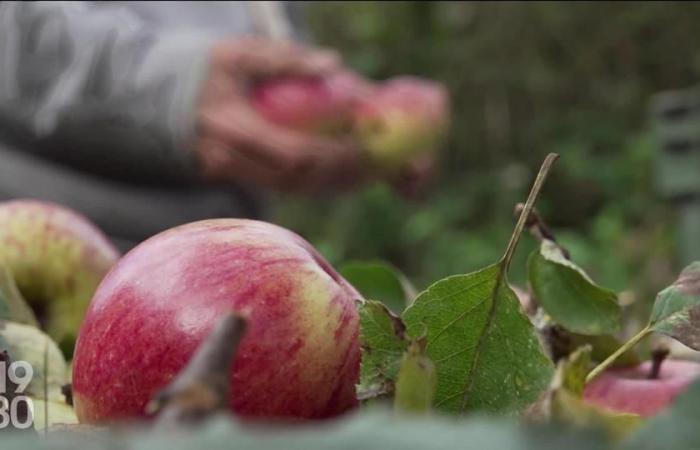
<point x="320" y="105"/>
<point x="642" y="389"/>
<point x="403" y="118"/>
<point x="299" y="357"/>
<point x="57" y="258"/>
<point x="394" y="122"/>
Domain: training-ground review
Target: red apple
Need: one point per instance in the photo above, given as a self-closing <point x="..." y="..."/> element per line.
<point x="313" y="104"/>
<point x="631" y="390"/>
<point x="300" y="355"/>
<point x="57" y="258"/>
<point x="401" y="119"/>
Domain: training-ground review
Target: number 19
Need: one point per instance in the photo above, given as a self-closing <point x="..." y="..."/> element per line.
<point x="19" y="373"/>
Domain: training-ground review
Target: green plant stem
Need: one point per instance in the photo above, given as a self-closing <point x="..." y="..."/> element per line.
<point x="611" y="359"/>
<point x="525" y="213"/>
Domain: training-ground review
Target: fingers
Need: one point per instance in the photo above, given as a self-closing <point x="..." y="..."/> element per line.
<point x="339" y="165"/>
<point x="256" y="57"/>
<point x="241" y="145"/>
<point x="248" y="148"/>
<point x="237" y="126"/>
<point x="222" y="164"/>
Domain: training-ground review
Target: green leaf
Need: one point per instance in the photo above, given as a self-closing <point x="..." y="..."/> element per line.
<point x="27" y="343"/>
<point x="571" y="373"/>
<point x="568" y="408"/>
<point x="13" y="307"/>
<point x="564" y="403"/>
<point x="675" y="429"/>
<point x="380" y="281"/>
<point x="382" y="340"/>
<point x="569" y="296"/>
<point x="486" y="352"/>
<point x="676" y="311"/>
<point x="605" y="345"/>
<point x="415" y="386"/>
<point x="562" y="343"/>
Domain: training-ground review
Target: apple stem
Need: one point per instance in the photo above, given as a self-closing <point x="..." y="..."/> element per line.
<point x="611" y="359"/>
<point x="203" y="386"/>
<point x="526" y="209"/>
<point x="658" y="356"/>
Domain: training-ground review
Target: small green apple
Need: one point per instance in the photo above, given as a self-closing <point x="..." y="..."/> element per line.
<point x="57" y="258"/>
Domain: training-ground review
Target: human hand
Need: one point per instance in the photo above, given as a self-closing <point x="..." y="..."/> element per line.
<point x="235" y="144"/>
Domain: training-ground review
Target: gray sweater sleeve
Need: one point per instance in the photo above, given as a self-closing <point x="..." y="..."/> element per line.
<point x="99" y="90"/>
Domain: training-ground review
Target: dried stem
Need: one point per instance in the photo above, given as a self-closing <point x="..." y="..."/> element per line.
<point x="611" y="359"/>
<point x="658" y="356"/>
<point x="203" y="387"/>
<point x="525" y="213"/>
<point x="539" y="229"/>
<point x="67" y="391"/>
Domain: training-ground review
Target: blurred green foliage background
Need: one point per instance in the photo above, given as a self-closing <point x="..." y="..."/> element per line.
<point x="525" y="79"/>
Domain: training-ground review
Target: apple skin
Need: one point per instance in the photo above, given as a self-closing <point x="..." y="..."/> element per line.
<point x="404" y="117"/>
<point x="629" y="390"/>
<point x="321" y="105"/>
<point x="394" y="121"/>
<point x="299" y="358"/>
<point x="57" y="258"/>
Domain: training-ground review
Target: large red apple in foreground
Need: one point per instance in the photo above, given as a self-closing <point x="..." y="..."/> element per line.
<point x="300" y="355"/>
<point x="631" y="390"/>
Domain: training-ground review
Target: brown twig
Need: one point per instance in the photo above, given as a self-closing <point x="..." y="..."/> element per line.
<point x="539" y="229"/>
<point x="203" y="387"/>
<point x="67" y="391"/>
<point x="558" y="342"/>
<point x="658" y="356"/>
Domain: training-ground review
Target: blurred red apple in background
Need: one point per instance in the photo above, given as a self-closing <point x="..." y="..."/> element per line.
<point x="315" y="104"/>
<point x="298" y="359"/>
<point x="636" y="390"/>
<point x="394" y="121"/>
<point x="403" y="118"/>
<point x="57" y="258"/>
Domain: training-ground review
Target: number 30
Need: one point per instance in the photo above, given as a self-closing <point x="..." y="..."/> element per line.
<point x="9" y="412"/>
